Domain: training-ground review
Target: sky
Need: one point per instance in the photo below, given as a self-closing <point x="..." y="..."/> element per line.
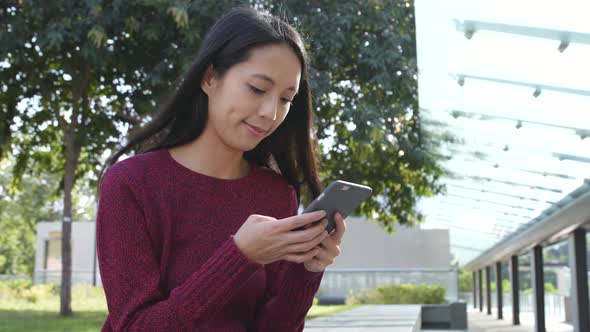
<point x="525" y="105"/>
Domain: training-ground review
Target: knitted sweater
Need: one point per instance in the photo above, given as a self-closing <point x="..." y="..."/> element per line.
<point x="168" y="260"/>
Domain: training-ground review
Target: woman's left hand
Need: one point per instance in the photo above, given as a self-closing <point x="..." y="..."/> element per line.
<point x="329" y="248"/>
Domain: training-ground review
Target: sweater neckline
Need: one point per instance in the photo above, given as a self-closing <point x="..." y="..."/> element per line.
<point x="254" y="169"/>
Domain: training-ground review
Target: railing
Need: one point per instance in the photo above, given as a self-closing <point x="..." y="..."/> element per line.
<point x="7" y="277"/>
<point x="555" y="304"/>
<point x="54" y="277"/>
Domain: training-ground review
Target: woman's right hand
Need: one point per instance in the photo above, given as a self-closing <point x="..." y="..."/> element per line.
<point x="264" y="239"/>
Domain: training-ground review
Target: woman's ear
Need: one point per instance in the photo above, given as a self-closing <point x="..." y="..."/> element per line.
<point x="208" y="81"/>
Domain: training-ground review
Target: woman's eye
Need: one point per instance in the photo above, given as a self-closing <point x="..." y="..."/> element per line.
<point x="256" y="90"/>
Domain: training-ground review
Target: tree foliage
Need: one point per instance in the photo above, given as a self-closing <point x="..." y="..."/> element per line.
<point x="77" y="76"/>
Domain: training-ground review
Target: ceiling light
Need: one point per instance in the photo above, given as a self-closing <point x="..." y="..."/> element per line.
<point x="563" y="45"/>
<point x="461" y="80"/>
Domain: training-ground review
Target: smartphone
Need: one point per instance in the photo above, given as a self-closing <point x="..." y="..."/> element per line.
<point x="340" y="196"/>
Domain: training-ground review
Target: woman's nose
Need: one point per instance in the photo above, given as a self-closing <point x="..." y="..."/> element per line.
<point x="269" y="108"/>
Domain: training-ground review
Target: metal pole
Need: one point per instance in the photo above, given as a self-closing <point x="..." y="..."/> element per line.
<point x="499" y="288"/>
<point x="579" y="283"/>
<point x="538" y="288"/>
<point x="480" y="286"/>
<point x="489" y="289"/>
<point x="514" y="283"/>
<point x="474" y="289"/>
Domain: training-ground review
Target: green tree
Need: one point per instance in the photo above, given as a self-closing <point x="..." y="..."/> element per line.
<point x="75" y="72"/>
<point x="35" y="200"/>
<point x="78" y="76"/>
<point x="465" y="280"/>
<point x="363" y="59"/>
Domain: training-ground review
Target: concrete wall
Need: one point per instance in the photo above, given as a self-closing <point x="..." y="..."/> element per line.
<point x="366" y="245"/>
<point x="82" y="253"/>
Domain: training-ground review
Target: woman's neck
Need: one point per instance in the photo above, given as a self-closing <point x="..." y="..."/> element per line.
<point x="212" y="158"/>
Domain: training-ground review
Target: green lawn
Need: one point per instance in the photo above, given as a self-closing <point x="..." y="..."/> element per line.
<point x="325" y="310"/>
<point x="19" y="315"/>
<point x="89" y="306"/>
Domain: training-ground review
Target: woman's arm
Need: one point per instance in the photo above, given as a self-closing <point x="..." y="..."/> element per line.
<point x="290" y="290"/>
<point x="130" y="271"/>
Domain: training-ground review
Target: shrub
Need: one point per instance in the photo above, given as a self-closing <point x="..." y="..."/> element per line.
<point x="399" y="294"/>
<point x="25" y="290"/>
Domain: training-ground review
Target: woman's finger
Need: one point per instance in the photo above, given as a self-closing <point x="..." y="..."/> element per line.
<point x="300" y="258"/>
<point x="314" y="265"/>
<point x="338" y="234"/>
<point x="329" y="247"/>
<point x="306" y="235"/>
<point x="293" y="222"/>
<point x="306" y="246"/>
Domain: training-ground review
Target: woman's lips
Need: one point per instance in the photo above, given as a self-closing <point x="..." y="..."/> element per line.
<point x="255" y="130"/>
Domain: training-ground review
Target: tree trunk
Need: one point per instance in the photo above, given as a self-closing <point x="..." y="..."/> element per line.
<point x="72" y="154"/>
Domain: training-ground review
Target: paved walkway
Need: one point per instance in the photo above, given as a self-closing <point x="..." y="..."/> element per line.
<point x="482" y="322"/>
<point x="406" y="318"/>
<point x="374" y="318"/>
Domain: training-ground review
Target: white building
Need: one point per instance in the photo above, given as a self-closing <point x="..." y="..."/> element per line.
<point x="48" y="254"/>
<point x="370" y="257"/>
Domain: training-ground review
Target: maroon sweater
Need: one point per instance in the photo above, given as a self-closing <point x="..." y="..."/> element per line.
<point x="168" y="260"/>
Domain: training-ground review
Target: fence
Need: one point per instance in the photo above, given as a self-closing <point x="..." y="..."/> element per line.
<point x="54" y="277"/>
<point x="556" y="306"/>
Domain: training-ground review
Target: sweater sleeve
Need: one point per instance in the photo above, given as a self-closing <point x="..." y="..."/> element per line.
<point x="130" y="273"/>
<point x="290" y="290"/>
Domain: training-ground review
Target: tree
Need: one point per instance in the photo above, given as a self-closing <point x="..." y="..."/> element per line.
<point x="363" y="59"/>
<point x="77" y="75"/>
<point x="75" y="72"/>
<point x="21" y="208"/>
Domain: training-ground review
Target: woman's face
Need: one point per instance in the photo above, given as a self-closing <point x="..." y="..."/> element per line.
<point x="253" y="97"/>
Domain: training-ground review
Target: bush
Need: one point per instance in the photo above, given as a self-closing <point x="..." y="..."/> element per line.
<point x="549" y="288"/>
<point x="399" y="294"/>
<point x="25" y="290"/>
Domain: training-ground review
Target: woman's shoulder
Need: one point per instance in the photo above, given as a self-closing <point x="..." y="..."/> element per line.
<point x="135" y="167"/>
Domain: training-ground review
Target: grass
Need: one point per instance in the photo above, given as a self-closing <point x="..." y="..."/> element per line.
<point x="326" y="310"/>
<point x="39" y="320"/>
<point x="90" y="311"/>
<point x="88" y="304"/>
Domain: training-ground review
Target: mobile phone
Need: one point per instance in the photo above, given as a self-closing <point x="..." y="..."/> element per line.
<point x="340" y="196"/>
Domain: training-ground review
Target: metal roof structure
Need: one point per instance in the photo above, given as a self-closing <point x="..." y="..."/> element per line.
<point x="509" y="85"/>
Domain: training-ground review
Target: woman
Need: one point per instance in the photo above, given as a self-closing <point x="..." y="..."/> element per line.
<point x="197" y="232"/>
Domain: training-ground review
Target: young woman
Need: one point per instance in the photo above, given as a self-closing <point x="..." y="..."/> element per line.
<point x="197" y="232"/>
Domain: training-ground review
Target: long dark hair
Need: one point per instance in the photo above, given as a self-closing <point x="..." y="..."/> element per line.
<point x="289" y="150"/>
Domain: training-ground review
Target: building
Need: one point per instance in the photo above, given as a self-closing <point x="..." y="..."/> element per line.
<point x="48" y="254"/>
<point x="372" y="257"/>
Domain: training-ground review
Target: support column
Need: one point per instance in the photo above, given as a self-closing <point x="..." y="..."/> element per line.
<point x="499" y="289"/>
<point x="480" y="286"/>
<point x="489" y="289"/>
<point x="579" y="274"/>
<point x="474" y="287"/>
<point x="515" y="285"/>
<point x="538" y="288"/>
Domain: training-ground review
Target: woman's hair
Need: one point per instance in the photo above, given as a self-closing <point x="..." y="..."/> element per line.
<point x="289" y="150"/>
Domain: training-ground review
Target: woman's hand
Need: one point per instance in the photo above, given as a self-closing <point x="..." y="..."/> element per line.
<point x="264" y="239"/>
<point x="329" y="248"/>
